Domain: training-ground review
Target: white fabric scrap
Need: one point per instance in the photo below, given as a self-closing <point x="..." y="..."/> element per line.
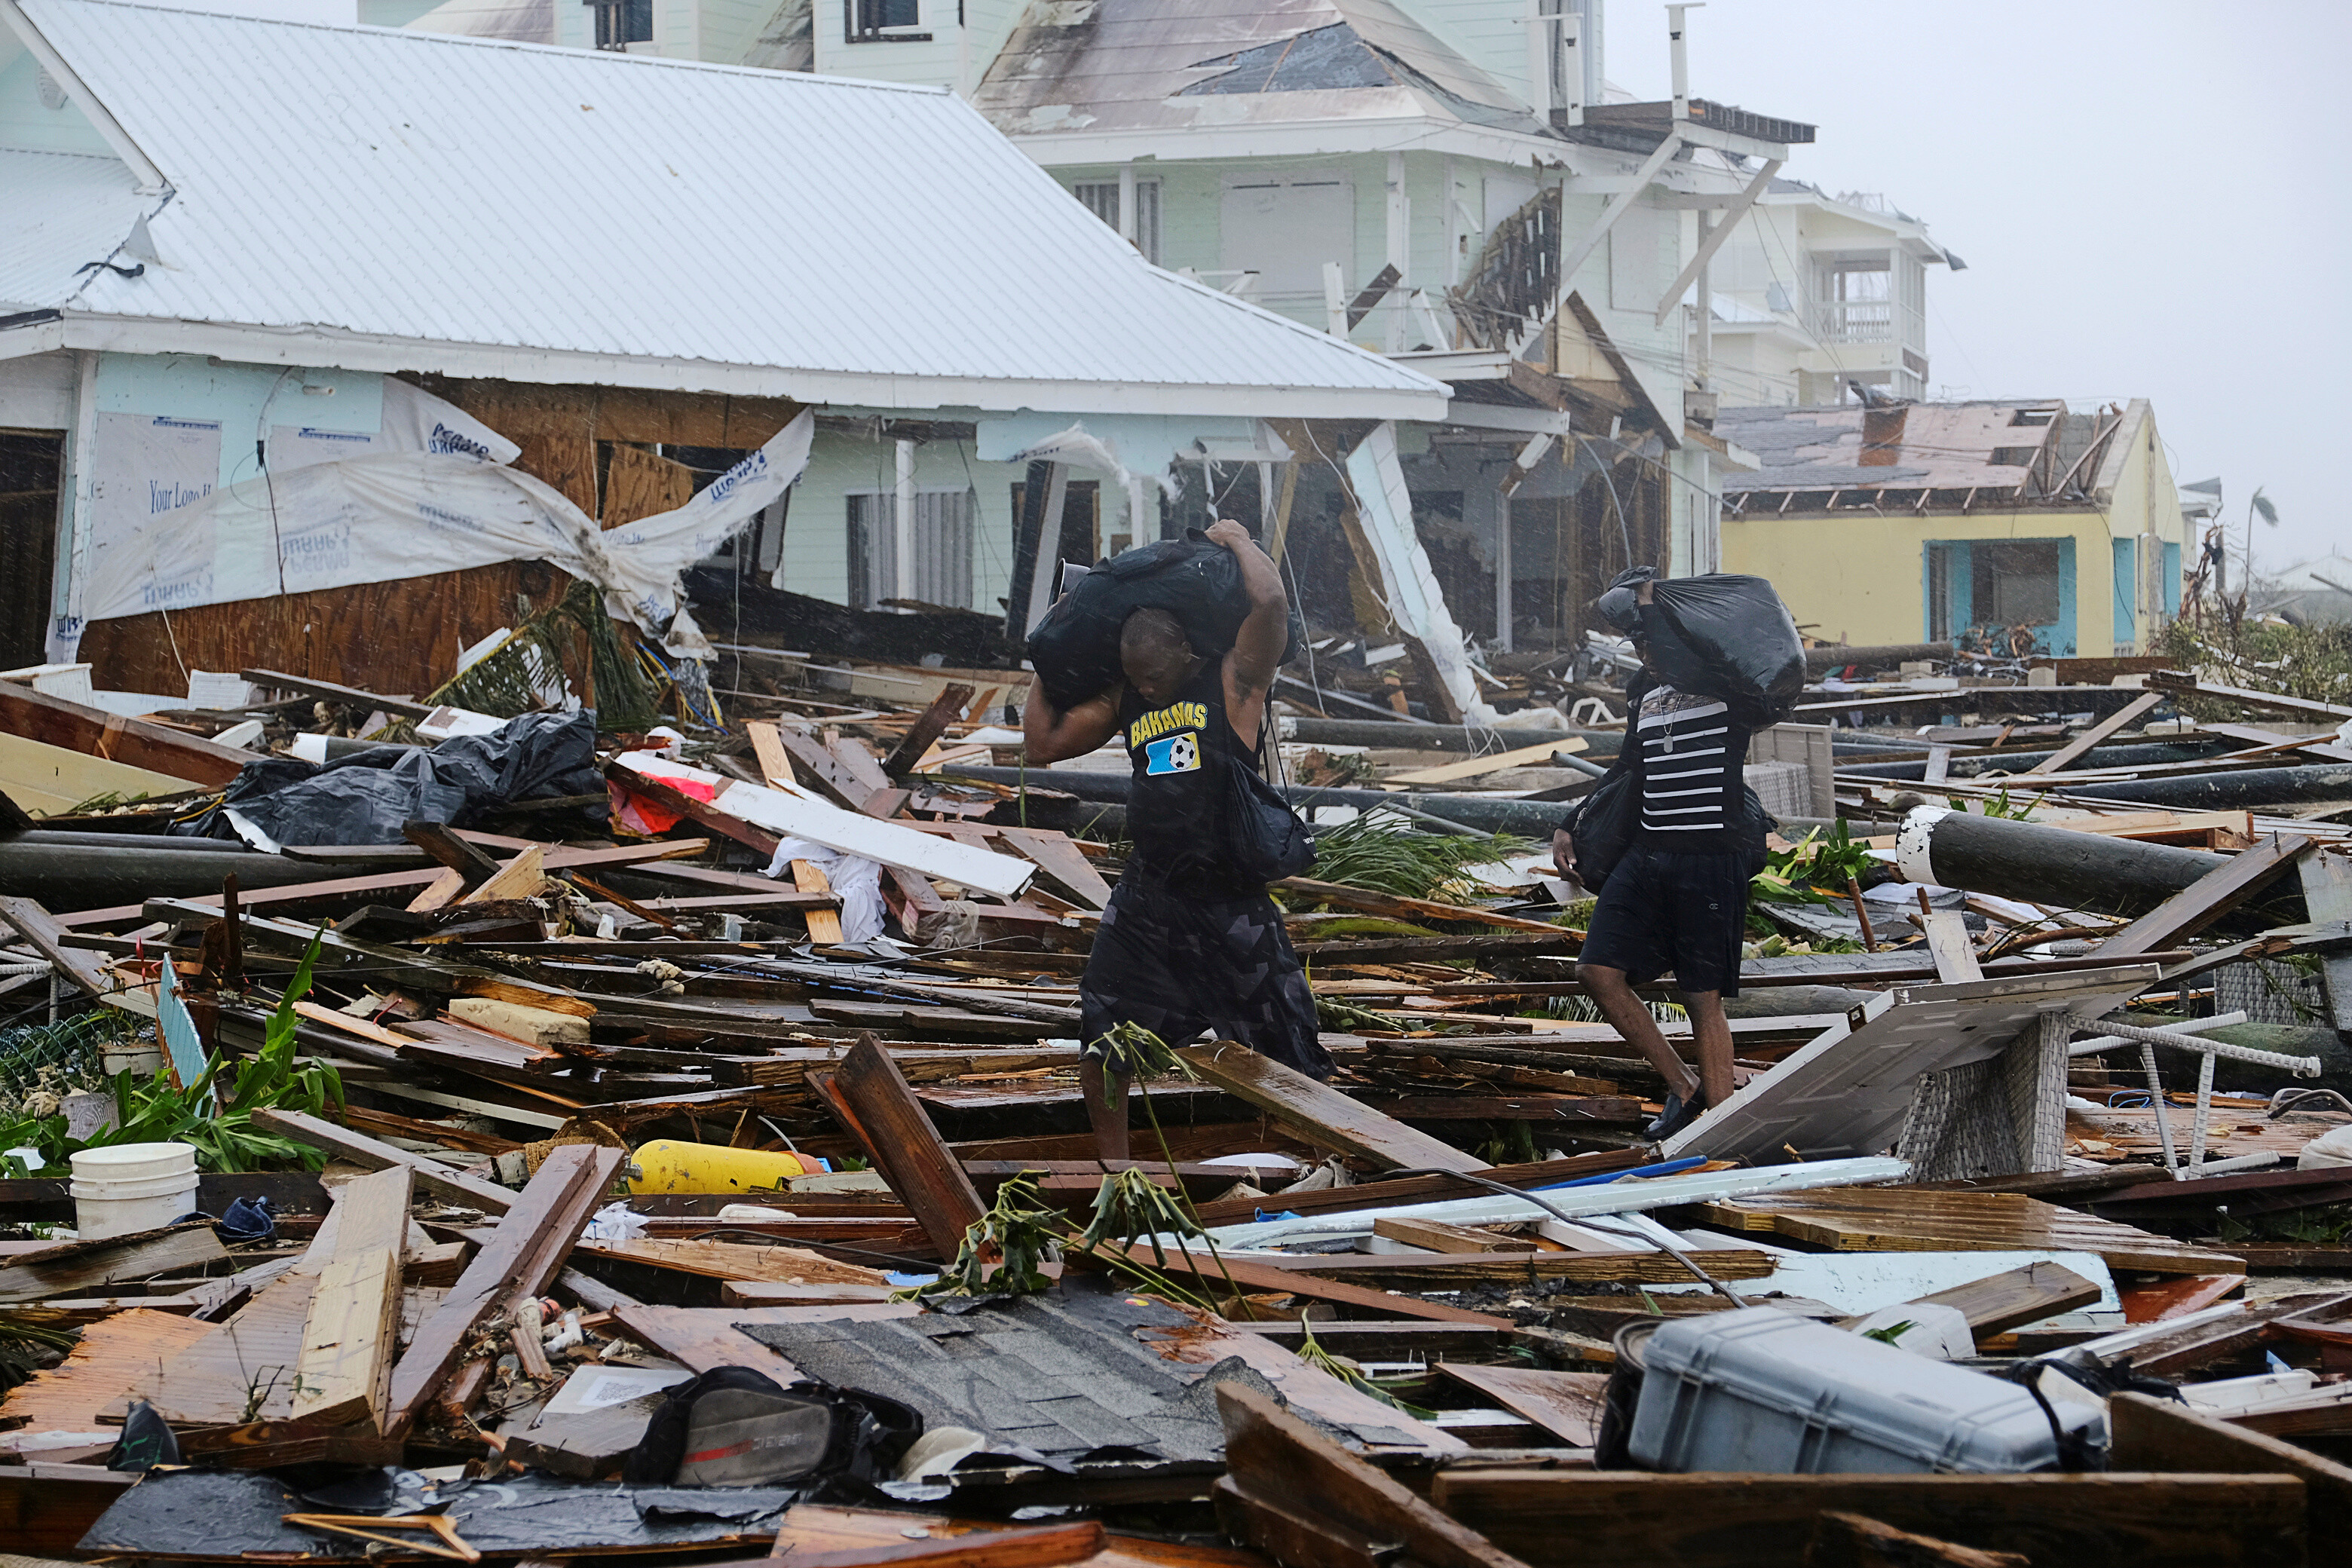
<point x="857" y="881"/>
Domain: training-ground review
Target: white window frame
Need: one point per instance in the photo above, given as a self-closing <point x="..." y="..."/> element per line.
<point x="1100" y="197"/>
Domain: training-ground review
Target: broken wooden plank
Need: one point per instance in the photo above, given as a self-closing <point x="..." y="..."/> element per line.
<point x="759" y="816"/>
<point x="343" y="1377"/>
<point x="2209" y="897"/>
<point x="2150" y="1434"/>
<point x="99" y="1370"/>
<point x="376" y="1154"/>
<point x="134" y="742"/>
<point x="520" y="877"/>
<point x="75" y="1268"/>
<point x="2059" y="761"/>
<point x="1568" y="1405"/>
<point x="43" y="932"/>
<point x="1320" y="1114"/>
<point x="1257" y="1276"/>
<point x="1292" y="1492"/>
<point x="1494" y="762"/>
<point x="2018" y="1296"/>
<point x="872" y="1099"/>
<point x="1436" y="1235"/>
<point x="929" y="726"/>
<point x="531" y="1245"/>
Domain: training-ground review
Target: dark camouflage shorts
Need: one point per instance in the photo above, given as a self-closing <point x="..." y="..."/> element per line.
<point x="1178" y="964"/>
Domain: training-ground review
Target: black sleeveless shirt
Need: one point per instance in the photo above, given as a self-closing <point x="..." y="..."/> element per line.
<point x="1175" y="806"/>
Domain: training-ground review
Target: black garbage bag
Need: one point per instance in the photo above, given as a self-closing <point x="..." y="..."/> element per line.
<point x="1075" y="649"/>
<point x="365" y="797"/>
<point x="1724" y="636"/>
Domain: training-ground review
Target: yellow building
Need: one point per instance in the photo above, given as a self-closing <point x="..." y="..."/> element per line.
<point x="2012" y="525"/>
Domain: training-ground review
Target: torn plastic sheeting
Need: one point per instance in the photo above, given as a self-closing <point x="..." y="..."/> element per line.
<point x="384" y="516"/>
<point x="857" y="880"/>
<point x="365" y="798"/>
<point x="1079" y="449"/>
<point x="1407" y="585"/>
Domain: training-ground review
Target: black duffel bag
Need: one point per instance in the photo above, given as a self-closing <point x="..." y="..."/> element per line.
<point x="1075" y="649"/>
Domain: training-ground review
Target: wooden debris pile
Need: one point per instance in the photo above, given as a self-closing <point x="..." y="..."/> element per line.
<point x="766" y="1057"/>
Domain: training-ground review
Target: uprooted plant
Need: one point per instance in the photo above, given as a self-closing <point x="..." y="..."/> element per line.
<point x="213" y="1113"/>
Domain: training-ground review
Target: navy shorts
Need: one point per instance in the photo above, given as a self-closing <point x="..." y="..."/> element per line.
<point x="1684" y="913"/>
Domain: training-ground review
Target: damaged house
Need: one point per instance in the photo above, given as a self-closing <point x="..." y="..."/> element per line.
<point x="1451" y="185"/>
<point x="511" y="318"/>
<point x="2026" y="529"/>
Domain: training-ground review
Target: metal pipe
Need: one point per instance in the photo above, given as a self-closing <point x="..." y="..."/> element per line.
<point x="2301" y="1066"/>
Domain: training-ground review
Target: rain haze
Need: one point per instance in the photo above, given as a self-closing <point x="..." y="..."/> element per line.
<point x="2143" y="193"/>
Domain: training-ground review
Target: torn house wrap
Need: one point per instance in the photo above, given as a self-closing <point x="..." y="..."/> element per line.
<point x="382" y="515"/>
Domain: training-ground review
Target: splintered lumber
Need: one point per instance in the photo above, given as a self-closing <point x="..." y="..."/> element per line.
<point x="929" y="726"/>
<point x="2063" y="757"/>
<point x="1565" y="1404"/>
<point x="2119" y="1520"/>
<point x="440" y="841"/>
<point x="1403" y="908"/>
<point x="1850" y="1541"/>
<point x="1300" y="1499"/>
<point x="1899" y="1220"/>
<point x="1322" y="1115"/>
<point x="343" y="1376"/>
<point x="41" y="932"/>
<point x="2004" y="1301"/>
<point x="524" y="1257"/>
<point x="86" y="1267"/>
<point x="2162" y="1434"/>
<point x="2209" y="898"/>
<point x="517" y="878"/>
<point x="871" y="1097"/>
<point x="376" y="1154"/>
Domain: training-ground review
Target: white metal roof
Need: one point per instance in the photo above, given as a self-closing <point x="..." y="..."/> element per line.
<point x="382" y="199"/>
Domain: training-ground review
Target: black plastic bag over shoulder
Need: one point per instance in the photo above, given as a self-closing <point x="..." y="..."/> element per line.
<point x="1727" y="637"/>
<point x="1075" y="649"/>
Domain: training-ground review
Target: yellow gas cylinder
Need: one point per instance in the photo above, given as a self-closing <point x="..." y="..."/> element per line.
<point x="670" y="1165"/>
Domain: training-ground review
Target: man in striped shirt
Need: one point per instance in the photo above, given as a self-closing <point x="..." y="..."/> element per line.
<point x="1678" y="899"/>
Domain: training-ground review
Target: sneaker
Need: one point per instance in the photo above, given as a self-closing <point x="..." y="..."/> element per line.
<point x="1678" y="1114"/>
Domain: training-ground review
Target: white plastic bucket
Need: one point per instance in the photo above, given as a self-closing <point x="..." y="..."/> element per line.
<point x="133" y="1187"/>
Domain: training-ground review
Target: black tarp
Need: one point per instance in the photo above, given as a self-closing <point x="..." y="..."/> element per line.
<point x="365" y="797"/>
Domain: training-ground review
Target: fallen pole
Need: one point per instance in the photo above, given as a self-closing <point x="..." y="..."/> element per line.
<point x="2043" y="865"/>
<point x="2228" y="791"/>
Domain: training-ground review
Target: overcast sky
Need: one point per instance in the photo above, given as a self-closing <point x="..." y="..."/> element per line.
<point x="2145" y="194"/>
<point x="2144" y="191"/>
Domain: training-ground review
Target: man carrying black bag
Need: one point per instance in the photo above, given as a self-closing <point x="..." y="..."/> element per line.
<point x="1190" y="941"/>
<point x="1677" y="897"/>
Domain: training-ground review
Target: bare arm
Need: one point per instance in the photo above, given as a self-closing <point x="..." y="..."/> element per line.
<point x="1049" y="737"/>
<point x="1258" y="646"/>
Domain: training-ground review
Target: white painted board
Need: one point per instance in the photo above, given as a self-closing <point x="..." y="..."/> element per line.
<point x="1847" y="1091"/>
<point x="849" y="832"/>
